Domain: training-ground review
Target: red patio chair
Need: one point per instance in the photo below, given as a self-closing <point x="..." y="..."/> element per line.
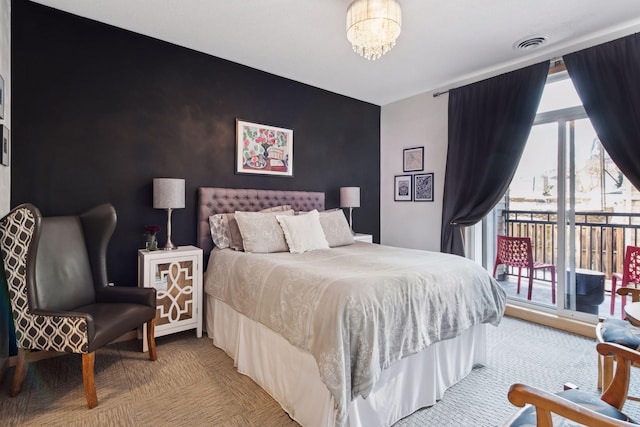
<point x="517" y="252"/>
<point x="631" y="274"/>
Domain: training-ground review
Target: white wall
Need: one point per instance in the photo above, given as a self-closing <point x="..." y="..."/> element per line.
<point x="5" y="72"/>
<point x="419" y="121"/>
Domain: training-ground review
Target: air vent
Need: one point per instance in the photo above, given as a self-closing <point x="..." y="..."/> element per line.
<point x="531" y="42"/>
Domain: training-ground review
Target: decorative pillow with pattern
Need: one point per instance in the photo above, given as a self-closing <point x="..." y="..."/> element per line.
<point x="261" y="232"/>
<point x="336" y="228"/>
<point x="225" y="232"/>
<point x="303" y="232"/>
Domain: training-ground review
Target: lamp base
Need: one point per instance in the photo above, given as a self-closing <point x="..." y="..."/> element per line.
<point x="169" y="246"/>
<point x="353" y="233"/>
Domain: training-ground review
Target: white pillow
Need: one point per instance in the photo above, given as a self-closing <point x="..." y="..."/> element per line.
<point x="303" y="232"/>
<point x="261" y="232"/>
<point x="336" y="228"/>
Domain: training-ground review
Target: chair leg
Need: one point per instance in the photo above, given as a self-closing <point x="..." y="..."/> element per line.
<point x="151" y="339"/>
<point x="88" y="362"/>
<point x="529" y="293"/>
<point x="20" y="372"/>
<point x="3" y="369"/>
<point x="614" y="282"/>
<point x="519" y="275"/>
<point x="606" y="376"/>
<point x="599" y="382"/>
<point x="553" y="285"/>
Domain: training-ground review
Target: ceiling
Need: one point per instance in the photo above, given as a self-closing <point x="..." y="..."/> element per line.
<point x="442" y="44"/>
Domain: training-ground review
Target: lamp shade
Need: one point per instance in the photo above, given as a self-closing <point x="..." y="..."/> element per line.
<point x="168" y="193"/>
<point x="349" y="197"/>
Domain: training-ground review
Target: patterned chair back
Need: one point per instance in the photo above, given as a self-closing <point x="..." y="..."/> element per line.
<point x="514" y="251"/>
<point x="631" y="272"/>
<point x="19" y="233"/>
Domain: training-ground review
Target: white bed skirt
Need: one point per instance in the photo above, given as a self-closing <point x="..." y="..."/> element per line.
<point x="291" y="375"/>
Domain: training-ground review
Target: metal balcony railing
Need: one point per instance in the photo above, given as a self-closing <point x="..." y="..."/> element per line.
<point x="601" y="237"/>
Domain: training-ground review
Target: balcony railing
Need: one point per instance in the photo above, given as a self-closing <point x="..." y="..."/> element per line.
<point x="601" y="237"/>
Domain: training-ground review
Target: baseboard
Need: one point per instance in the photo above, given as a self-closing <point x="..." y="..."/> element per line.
<point x="34" y="356"/>
<point x="552" y="320"/>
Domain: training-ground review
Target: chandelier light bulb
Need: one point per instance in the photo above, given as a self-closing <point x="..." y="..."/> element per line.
<point x="373" y="26"/>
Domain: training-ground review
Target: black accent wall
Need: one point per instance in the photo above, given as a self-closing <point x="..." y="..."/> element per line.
<point x="98" y="112"/>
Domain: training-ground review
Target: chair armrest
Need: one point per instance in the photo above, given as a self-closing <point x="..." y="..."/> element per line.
<point x="546" y="403"/>
<point x="634" y="292"/>
<point x="126" y="294"/>
<point x="79" y="326"/>
<point x="609" y="348"/>
<point x="616" y="392"/>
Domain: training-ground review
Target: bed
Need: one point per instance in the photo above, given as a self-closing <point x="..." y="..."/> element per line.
<point x="358" y="334"/>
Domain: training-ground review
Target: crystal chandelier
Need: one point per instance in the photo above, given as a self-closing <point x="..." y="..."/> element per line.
<point x="373" y="26"/>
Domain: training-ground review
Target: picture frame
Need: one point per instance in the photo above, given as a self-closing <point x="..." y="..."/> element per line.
<point x="2" y="96"/>
<point x="263" y="149"/>
<point x="423" y="187"/>
<point x="402" y="191"/>
<point x="413" y="159"/>
<point x="6" y="146"/>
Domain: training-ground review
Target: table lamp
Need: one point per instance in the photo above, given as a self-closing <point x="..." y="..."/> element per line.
<point x="350" y="198"/>
<point x="168" y="193"/>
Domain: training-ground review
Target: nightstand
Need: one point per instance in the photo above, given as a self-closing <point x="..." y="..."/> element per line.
<point x="177" y="277"/>
<point x="359" y="237"/>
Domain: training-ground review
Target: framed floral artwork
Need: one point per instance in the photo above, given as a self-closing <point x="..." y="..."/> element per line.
<point x="413" y="159"/>
<point x="423" y="187"/>
<point x="402" y="188"/>
<point x="263" y="150"/>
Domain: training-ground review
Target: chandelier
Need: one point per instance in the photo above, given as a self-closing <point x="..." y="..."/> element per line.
<point x="373" y="26"/>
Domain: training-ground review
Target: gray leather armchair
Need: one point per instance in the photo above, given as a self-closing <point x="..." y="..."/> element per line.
<point x="58" y="288"/>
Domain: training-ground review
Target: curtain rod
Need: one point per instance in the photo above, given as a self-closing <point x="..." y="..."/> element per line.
<point x="555" y="62"/>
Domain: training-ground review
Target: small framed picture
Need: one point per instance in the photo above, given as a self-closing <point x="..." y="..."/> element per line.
<point x="1" y="98"/>
<point x="423" y="187"/>
<point x="6" y="146"/>
<point x="402" y="188"/>
<point x="413" y="159"/>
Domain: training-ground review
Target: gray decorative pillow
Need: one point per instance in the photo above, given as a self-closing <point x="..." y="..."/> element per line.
<point x="225" y="232"/>
<point x="261" y="232"/>
<point x="336" y="228"/>
<point x="303" y="232"/>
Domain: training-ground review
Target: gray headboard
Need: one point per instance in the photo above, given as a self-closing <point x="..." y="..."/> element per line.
<point x="213" y="200"/>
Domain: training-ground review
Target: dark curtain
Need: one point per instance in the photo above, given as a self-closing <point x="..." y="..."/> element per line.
<point x="489" y="123"/>
<point x="607" y="79"/>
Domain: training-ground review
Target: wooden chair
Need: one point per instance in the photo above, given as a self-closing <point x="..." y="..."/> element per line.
<point x="631" y="274"/>
<point x="517" y="252"/>
<point x="576" y="405"/>
<point x="55" y="269"/>
<point x="620" y="332"/>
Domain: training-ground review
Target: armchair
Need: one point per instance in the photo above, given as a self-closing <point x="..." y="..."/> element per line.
<point x="58" y="289"/>
<point x="575" y="405"/>
<point x="620" y="332"/>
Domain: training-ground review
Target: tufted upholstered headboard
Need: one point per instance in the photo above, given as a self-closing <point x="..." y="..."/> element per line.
<point x="213" y="200"/>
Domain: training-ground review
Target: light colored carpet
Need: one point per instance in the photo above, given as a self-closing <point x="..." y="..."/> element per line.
<point x="193" y="383"/>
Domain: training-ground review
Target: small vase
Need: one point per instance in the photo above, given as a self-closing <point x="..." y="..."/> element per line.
<point x="151" y="243"/>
